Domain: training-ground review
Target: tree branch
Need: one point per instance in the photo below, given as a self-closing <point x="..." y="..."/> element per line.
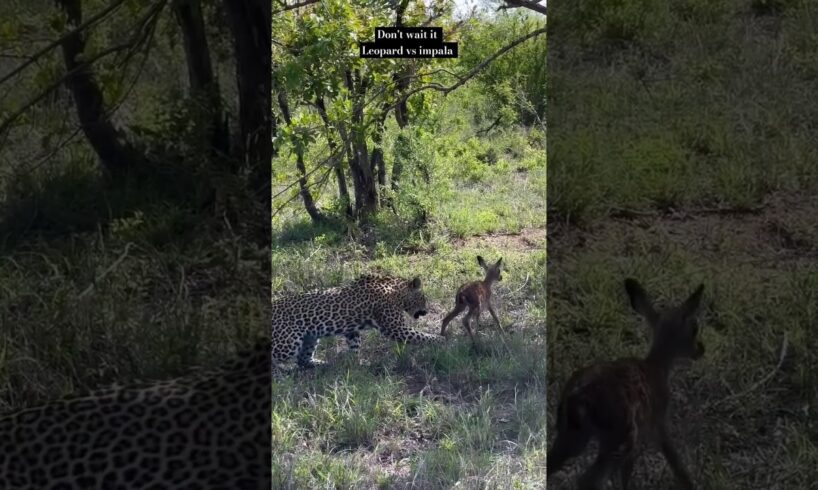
<point x="39" y="54"/>
<point x="492" y="126"/>
<point x="474" y="71"/>
<point x="461" y="81"/>
<point x="329" y="162"/>
<point x="134" y="42"/>
<point x="292" y="198"/>
<point x="53" y="86"/>
<point x="527" y="4"/>
<point x="294" y="6"/>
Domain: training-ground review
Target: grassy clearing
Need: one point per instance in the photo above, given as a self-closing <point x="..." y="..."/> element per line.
<point x="691" y="106"/>
<point x="94" y="309"/>
<point x="103" y="280"/>
<point x="740" y="416"/>
<point x="432" y="417"/>
<point x="653" y="136"/>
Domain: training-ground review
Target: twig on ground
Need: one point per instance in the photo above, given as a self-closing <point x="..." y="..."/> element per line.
<point x="781" y="357"/>
<point x="107" y="271"/>
<point x="525" y="283"/>
<point x="627" y="213"/>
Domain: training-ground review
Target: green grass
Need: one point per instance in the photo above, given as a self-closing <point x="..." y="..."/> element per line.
<point x="696" y="107"/>
<point x="434" y="416"/>
<point x="93" y="309"/>
<point x="710" y="108"/>
<point x="726" y="414"/>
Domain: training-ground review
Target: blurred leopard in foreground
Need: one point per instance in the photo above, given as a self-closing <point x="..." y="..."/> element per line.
<point x="208" y="429"/>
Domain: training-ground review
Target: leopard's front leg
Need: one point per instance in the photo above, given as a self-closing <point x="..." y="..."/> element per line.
<point x="309" y="342"/>
<point x="353" y="340"/>
<point x="392" y="323"/>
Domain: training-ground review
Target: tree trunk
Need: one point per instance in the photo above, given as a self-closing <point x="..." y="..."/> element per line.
<point x="377" y="164"/>
<point x="366" y="190"/>
<point x="306" y="196"/>
<point x="376" y="160"/>
<point x="402" y="80"/>
<point x="118" y="157"/>
<point x="273" y="120"/>
<point x="397" y="164"/>
<point x="343" y="190"/>
<point x="250" y="24"/>
<point x="203" y="83"/>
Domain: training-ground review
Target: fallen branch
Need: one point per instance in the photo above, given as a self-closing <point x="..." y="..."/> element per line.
<point x="781" y="357"/>
<point x="107" y="271"/>
<point x="525" y="283"/>
<point x="626" y="213"/>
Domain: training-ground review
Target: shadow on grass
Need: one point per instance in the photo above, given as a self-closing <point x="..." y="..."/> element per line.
<point x="384" y="229"/>
<point x="305" y="230"/>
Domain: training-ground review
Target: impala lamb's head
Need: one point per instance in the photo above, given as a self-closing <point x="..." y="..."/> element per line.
<point x="493" y="271"/>
<point x="675" y="330"/>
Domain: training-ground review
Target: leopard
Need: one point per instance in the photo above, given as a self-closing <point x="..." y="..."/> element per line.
<point x="372" y="301"/>
<point x="208" y="428"/>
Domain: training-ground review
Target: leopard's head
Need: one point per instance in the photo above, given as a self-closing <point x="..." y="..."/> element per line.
<point x="412" y="299"/>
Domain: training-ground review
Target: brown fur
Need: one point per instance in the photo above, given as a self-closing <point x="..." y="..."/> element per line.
<point x="623" y="403"/>
<point x="476" y="296"/>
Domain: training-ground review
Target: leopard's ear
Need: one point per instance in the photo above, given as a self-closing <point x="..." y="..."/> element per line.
<point x="415" y="283"/>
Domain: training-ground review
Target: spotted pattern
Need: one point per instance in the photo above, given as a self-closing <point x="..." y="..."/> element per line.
<point x="372" y="301"/>
<point x="208" y="429"/>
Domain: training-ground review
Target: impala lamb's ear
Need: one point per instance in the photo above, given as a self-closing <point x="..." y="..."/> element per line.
<point x="639" y="299"/>
<point x="499" y="262"/>
<point x="691" y="304"/>
<point x="481" y="261"/>
<point x="415" y="283"/>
